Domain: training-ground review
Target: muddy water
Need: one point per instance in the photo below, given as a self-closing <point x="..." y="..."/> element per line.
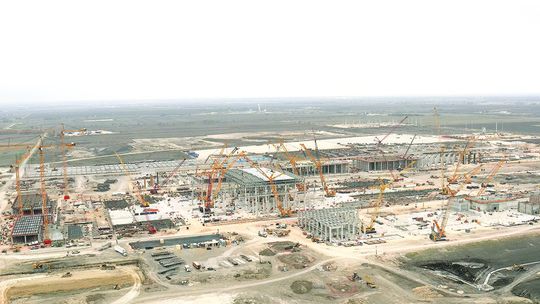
<point x="472" y="262"/>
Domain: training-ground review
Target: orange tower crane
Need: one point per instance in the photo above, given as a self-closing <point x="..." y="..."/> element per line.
<point x="317" y="162"/>
<point x="63" y="132"/>
<point x="292" y="160"/>
<point x="44" y="207"/>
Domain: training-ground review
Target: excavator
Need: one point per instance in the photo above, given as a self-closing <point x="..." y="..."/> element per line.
<point x="317" y="162"/>
<point x="138" y="195"/>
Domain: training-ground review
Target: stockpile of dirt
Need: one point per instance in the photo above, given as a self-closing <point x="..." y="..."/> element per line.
<point x="426" y="292"/>
<point x="82" y="280"/>
<point x="282" y="246"/>
<point x="296" y="260"/>
<point x="301" y="287"/>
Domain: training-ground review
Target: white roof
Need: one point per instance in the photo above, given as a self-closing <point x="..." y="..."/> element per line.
<point x="277" y="176"/>
<point x="121" y="217"/>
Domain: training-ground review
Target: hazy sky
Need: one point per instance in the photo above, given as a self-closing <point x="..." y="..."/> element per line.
<point x="109" y="50"/>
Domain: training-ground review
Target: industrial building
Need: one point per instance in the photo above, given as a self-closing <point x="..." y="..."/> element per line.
<point x="532" y="206"/>
<point x="32" y="204"/>
<point x="252" y="190"/>
<point x="27" y="229"/>
<point x="331" y="225"/>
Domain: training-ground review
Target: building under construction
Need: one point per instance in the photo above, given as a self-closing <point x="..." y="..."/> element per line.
<point x="331" y="225"/>
<point x="32" y="203"/>
<point x="252" y="190"/>
<point x="27" y="229"/>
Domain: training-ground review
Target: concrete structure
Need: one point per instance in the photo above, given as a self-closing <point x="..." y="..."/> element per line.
<point x="307" y="168"/>
<point x="331" y="225"/>
<point x="27" y="229"/>
<point x="32" y="204"/>
<point x="379" y="163"/>
<point x="492" y="203"/>
<point x="252" y="191"/>
<point x="532" y="206"/>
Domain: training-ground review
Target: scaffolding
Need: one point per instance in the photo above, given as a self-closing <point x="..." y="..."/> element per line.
<point x="331" y="225"/>
<point x="252" y="192"/>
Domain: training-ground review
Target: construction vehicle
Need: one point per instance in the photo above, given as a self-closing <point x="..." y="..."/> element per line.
<point x="292" y="160"/>
<point x="369" y="281"/>
<point x="274" y="174"/>
<point x="438" y="229"/>
<point x="370" y="228"/>
<point x="44" y="206"/>
<point x="317" y="162"/>
<point x="211" y="174"/>
<point x="138" y="195"/>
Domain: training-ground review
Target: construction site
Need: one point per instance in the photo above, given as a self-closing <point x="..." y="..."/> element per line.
<point x="315" y="216"/>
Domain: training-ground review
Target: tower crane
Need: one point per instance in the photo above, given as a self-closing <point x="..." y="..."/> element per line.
<point x="44" y="207"/>
<point x="63" y="132"/>
<point x="282" y="211"/>
<point x="138" y="195"/>
<point x="317" y="162"/>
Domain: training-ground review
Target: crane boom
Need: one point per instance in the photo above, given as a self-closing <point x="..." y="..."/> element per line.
<point x="283" y="212"/>
<point x="63" y="132"/>
<point x="329" y="192"/>
<point x="379" y="141"/>
<point x="292" y="160"/>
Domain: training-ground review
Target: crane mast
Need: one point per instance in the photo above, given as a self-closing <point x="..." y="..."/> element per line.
<point x="329" y="192"/>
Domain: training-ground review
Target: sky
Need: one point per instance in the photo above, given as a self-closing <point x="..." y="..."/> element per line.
<point x="72" y="51"/>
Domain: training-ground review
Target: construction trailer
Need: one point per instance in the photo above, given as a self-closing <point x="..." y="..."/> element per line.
<point x="331" y="224"/>
<point x="251" y="191"/>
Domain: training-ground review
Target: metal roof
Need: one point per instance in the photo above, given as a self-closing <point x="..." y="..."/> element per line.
<point x="254" y="177"/>
<point x="27" y="225"/>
